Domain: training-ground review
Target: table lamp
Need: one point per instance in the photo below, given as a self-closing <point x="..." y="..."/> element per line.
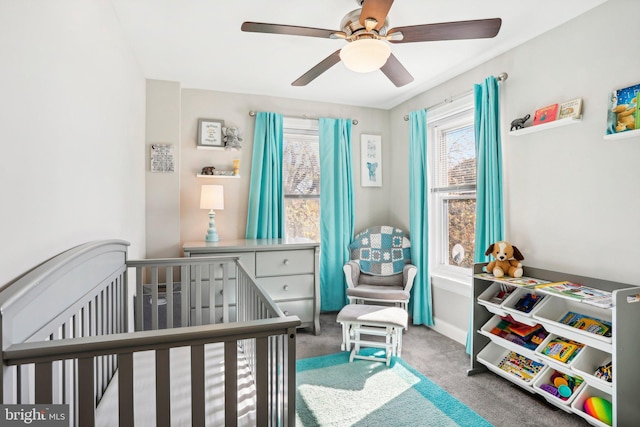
<point x="212" y="197"/>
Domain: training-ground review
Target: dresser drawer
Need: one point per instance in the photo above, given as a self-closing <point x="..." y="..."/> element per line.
<point x="288" y="287"/>
<point x="248" y="260"/>
<point x="280" y="263"/>
<point x="303" y="309"/>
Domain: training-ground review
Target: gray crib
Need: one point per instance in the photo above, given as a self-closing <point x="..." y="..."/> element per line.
<point x="209" y="346"/>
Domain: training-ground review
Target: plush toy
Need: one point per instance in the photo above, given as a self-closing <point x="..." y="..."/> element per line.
<point x="507" y="260"/>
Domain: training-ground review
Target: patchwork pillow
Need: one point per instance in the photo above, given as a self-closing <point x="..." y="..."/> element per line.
<point x="381" y="250"/>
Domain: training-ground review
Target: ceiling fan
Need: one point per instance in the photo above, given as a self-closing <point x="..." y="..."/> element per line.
<point x="367" y="32"/>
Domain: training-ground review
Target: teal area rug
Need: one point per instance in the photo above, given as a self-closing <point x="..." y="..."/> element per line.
<point x="333" y="392"/>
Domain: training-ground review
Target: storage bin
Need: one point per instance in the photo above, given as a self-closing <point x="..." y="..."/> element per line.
<point x="553" y="309"/>
<point x="492" y="355"/>
<point x="577" y="406"/>
<point x="503" y="342"/>
<point x="546" y="378"/>
<point x="486" y="297"/>
<point x="509" y="305"/>
<point x="563" y="366"/>
<point x="587" y="365"/>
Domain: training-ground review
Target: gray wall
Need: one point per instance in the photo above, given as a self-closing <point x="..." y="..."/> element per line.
<point x="72" y="131"/>
<point x="571" y="197"/>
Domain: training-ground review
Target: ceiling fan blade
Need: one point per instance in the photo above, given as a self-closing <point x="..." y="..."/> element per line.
<point x="459" y="30"/>
<point x="260" y="27"/>
<point x="396" y="72"/>
<point x="377" y="9"/>
<point x="320" y="68"/>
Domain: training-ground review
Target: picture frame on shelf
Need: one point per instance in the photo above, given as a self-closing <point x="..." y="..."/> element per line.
<point x="571" y="109"/>
<point x="210" y="133"/>
<point x="622" y="112"/>
<point x="370" y="160"/>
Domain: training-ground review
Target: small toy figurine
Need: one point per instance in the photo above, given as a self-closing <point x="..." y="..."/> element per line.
<point x="231" y="138"/>
<point x="207" y="170"/>
<point x="519" y="123"/>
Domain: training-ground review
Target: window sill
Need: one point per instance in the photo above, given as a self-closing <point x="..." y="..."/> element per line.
<point x="451" y="282"/>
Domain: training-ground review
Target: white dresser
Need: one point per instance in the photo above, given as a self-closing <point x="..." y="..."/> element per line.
<point x="288" y="270"/>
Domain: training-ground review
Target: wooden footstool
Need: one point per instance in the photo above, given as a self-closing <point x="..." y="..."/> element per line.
<point x="376" y="320"/>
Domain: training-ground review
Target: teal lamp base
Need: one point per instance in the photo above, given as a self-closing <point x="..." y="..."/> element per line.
<point x="212" y="233"/>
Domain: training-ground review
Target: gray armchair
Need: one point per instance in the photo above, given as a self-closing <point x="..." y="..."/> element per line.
<point x="379" y="270"/>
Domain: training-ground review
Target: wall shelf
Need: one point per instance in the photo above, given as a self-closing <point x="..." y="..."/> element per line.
<point x="553" y="124"/>
<point x="204" y="147"/>
<point x="218" y="176"/>
<point x="623" y="135"/>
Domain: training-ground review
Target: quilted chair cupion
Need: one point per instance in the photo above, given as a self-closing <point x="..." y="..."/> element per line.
<point x="380" y="269"/>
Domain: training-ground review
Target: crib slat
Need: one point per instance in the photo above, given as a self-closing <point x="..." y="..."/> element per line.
<point x="154" y="298"/>
<point x="44" y="382"/>
<point x="212" y="295"/>
<point x="139" y="300"/>
<point x="125" y="389"/>
<point x="163" y="390"/>
<point x="169" y="295"/>
<point x="225" y="292"/>
<point x="197" y="385"/>
<point x="86" y="412"/>
<point x="231" y="383"/>
<point x="198" y="291"/>
<point x="185" y="301"/>
<point x="262" y="378"/>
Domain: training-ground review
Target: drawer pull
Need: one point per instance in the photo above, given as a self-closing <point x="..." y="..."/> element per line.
<point x="285" y="287"/>
<point x="286" y="261"/>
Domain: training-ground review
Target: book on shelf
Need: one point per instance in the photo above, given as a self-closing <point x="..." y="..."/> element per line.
<point x="515" y="281"/>
<point x="587" y="323"/>
<point x="571" y="108"/>
<point x="623" y="114"/>
<point x="578" y="292"/>
<point x="545" y="114"/>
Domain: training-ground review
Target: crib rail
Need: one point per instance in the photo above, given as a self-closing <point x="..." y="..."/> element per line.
<point x="64" y="333"/>
<point x="85" y="351"/>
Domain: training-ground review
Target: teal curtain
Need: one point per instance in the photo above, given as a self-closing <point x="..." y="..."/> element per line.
<point x="336" y="210"/>
<point x="265" y="216"/>
<point x="420" y="304"/>
<point x="489" y="202"/>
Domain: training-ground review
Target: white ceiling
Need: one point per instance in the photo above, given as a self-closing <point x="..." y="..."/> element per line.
<point x="199" y="44"/>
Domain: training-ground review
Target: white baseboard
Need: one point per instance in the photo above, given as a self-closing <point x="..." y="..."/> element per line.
<point x="449" y="330"/>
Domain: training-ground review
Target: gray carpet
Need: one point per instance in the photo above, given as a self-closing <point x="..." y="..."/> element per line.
<point x="445" y="362"/>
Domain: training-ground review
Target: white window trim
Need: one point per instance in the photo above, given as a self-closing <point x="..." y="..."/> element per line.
<point x="461" y="106"/>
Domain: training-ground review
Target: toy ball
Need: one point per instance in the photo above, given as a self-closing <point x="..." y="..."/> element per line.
<point x="599" y="409"/>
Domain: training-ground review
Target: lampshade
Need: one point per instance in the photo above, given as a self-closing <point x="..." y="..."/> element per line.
<point x="212" y="197"/>
<point x="365" y="55"/>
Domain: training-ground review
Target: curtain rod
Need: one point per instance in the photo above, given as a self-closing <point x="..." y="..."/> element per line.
<point x="501" y="77"/>
<point x="304" y="116"/>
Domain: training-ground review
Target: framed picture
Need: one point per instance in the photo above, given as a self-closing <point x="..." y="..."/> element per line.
<point x="210" y="133"/>
<point x="371" y="160"/>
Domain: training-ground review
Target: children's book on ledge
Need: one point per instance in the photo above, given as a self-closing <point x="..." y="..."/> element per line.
<point x="578" y="292"/>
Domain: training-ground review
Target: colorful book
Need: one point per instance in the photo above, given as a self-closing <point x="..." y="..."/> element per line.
<point x="571" y="108"/>
<point x="587" y="323"/>
<point x="545" y="114"/>
<point x="578" y="292"/>
<point x="623" y="114"/>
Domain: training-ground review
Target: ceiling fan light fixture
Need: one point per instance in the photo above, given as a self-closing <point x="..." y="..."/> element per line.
<point x="365" y="55"/>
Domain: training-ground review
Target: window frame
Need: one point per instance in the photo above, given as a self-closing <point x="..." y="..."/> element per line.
<point x="454" y="114"/>
<point x="304" y="128"/>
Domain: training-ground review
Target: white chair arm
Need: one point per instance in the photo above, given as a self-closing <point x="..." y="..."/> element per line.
<point x="352" y="273"/>
<point x="408" y="275"/>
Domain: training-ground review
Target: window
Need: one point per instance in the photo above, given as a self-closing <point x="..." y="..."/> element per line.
<point x="301" y="178"/>
<point x="453" y="186"/>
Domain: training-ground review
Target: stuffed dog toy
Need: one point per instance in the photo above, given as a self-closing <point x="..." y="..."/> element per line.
<point x="507" y="260"/>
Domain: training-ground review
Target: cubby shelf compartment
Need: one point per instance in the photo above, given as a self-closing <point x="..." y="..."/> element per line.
<point x="545" y="378"/>
<point x="544" y="126"/>
<point x="492" y="355"/>
<point x="577" y="405"/>
<point x="623" y="135"/>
